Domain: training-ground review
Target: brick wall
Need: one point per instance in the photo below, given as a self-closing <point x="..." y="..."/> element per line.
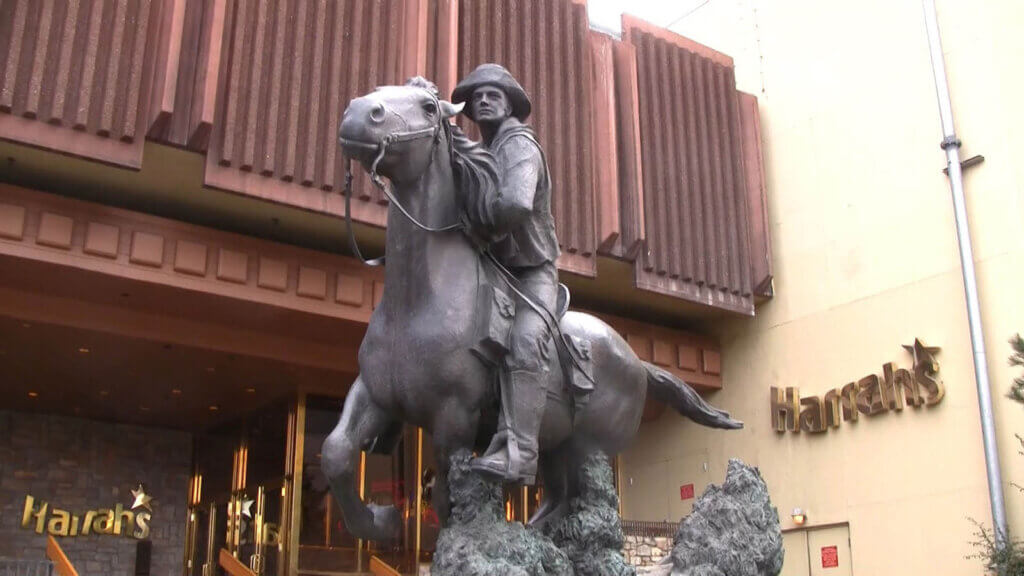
<point x="79" y="465"/>
<point x="643" y="551"/>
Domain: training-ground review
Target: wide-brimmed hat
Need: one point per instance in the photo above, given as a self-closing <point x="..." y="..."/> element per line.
<point x="494" y="75"/>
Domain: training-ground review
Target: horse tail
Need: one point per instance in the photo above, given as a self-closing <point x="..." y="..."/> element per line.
<point x="667" y="388"/>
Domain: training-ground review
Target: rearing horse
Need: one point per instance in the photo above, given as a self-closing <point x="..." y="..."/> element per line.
<point x="416" y="362"/>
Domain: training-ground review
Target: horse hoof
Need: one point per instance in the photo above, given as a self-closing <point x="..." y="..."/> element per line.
<point x="387" y="522"/>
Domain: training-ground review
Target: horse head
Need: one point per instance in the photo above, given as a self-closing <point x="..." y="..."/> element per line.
<point x="387" y="130"/>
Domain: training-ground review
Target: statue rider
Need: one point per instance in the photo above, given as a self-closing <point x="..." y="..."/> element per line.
<point x="517" y="216"/>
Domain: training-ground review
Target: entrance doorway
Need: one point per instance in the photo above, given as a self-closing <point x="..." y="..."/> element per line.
<point x="818" y="552"/>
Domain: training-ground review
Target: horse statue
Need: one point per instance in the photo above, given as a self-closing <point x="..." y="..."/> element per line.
<point x="420" y="362"/>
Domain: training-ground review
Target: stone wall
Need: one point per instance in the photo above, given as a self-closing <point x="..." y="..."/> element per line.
<point x="79" y="465"/>
<point x="646" y="550"/>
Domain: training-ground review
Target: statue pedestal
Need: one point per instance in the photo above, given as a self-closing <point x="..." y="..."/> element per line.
<point x="478" y="541"/>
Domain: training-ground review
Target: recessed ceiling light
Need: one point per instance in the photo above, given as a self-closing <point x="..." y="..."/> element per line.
<point x="250" y="390"/>
<point x="33" y="394"/>
<point x="83" y="350"/>
<point x="176" y="391"/>
<point x="214" y="407"/>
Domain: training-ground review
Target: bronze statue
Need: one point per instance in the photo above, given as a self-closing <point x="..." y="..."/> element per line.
<point x="443" y="328"/>
<point x="518" y="214"/>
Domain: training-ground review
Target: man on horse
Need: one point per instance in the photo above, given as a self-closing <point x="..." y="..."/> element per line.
<point x="517" y="218"/>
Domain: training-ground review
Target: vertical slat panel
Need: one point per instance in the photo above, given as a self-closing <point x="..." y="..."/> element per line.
<point x="129" y="119"/>
<point x="87" y="80"/>
<point x="544" y="43"/>
<point x="631" y="189"/>
<point x="314" y="132"/>
<point x="17" y="32"/>
<point x="695" y="199"/>
<point x="757" y="204"/>
<point x="255" y="73"/>
<point x="726" y="103"/>
<point x="35" y="87"/>
<point x="274" y="133"/>
<point x="693" y="155"/>
<point x="83" y="66"/>
<point x="112" y="57"/>
<point x="683" y="210"/>
<point x="60" y="86"/>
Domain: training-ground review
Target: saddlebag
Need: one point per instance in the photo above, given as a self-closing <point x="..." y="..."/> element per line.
<point x="495" y="312"/>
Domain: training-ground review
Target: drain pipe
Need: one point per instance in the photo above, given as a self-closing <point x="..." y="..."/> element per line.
<point x="951" y="145"/>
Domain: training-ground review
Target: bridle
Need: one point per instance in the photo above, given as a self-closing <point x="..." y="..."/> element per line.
<point x="435" y="132"/>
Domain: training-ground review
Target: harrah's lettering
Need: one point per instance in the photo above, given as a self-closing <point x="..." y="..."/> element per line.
<point x="871" y="395"/>
<point x="111" y="521"/>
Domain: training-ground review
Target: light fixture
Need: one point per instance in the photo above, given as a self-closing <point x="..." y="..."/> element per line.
<point x="799" y="517"/>
<point x="250" y="390"/>
<point x="214" y="407"/>
<point x="83" y="350"/>
<point x="33" y="394"/>
<point x="176" y="391"/>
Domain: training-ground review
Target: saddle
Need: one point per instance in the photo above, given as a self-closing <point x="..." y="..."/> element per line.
<point x="496" y="312"/>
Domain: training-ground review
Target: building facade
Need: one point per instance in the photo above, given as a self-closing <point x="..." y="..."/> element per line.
<point x="754" y="199"/>
<point x="865" y="261"/>
<point x="180" y="314"/>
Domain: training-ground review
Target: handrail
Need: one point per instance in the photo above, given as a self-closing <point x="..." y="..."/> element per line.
<point x="61" y="564"/>
<point x="380" y="568"/>
<point x="232" y="565"/>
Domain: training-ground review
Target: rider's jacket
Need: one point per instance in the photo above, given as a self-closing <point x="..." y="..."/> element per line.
<point x="521" y="207"/>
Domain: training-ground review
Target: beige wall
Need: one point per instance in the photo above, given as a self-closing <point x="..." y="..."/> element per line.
<point x="866" y="260"/>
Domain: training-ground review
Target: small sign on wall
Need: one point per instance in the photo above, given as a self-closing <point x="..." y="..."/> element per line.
<point x="686" y="492"/>
<point x="829" y="556"/>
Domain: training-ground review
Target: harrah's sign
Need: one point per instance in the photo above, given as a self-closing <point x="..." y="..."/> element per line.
<point x="871" y="395"/>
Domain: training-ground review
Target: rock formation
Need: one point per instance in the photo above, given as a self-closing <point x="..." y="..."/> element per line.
<point x="733" y="530"/>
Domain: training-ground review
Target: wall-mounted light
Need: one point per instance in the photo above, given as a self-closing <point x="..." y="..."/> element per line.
<point x="799" y="517"/>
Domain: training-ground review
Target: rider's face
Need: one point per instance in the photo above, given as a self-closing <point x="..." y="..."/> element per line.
<point x="490" y="104"/>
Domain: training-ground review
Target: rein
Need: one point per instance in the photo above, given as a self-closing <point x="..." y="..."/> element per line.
<point x="382" y="148"/>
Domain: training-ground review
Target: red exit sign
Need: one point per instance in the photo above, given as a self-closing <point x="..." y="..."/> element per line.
<point x="829" y="557"/>
<point x="686" y="492"/>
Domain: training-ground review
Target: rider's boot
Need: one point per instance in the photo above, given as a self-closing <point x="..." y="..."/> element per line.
<point x="515" y="459"/>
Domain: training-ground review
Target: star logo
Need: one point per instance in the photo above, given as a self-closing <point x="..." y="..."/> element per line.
<point x="141" y="499"/>
<point x="245" y="507"/>
<point x="923" y="354"/>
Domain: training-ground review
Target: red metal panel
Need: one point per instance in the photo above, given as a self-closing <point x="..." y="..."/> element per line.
<point x="545" y="44"/>
<point x="695" y="186"/>
<point x="287" y="69"/>
<point x="757" y="203"/>
<point x="75" y="75"/>
<point x="627" y="136"/>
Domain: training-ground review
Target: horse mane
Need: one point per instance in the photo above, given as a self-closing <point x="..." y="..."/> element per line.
<point x="474" y="167"/>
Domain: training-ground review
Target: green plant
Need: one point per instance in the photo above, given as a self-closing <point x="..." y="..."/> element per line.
<point x="1017" y="359"/>
<point x="1002" y="560"/>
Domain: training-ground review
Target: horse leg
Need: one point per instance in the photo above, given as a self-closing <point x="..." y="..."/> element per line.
<point x="361" y="422"/>
<point x="554" y="473"/>
<point x="454" y="429"/>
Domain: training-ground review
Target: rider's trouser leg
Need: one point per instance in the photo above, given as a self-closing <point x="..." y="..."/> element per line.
<point x="524" y="384"/>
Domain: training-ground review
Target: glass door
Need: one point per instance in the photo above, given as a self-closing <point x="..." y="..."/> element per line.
<point x="238" y="497"/>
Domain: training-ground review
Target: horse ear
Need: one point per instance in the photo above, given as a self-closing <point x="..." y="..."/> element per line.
<point x="448" y="109"/>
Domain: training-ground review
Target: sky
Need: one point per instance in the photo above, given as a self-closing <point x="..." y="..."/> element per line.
<point x="606" y="15"/>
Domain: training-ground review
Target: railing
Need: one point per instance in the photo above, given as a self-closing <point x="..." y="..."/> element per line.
<point x="20" y="567"/>
<point x="379" y="568"/>
<point x="648" y="529"/>
<point x="233" y="566"/>
<point x="61" y="565"/>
